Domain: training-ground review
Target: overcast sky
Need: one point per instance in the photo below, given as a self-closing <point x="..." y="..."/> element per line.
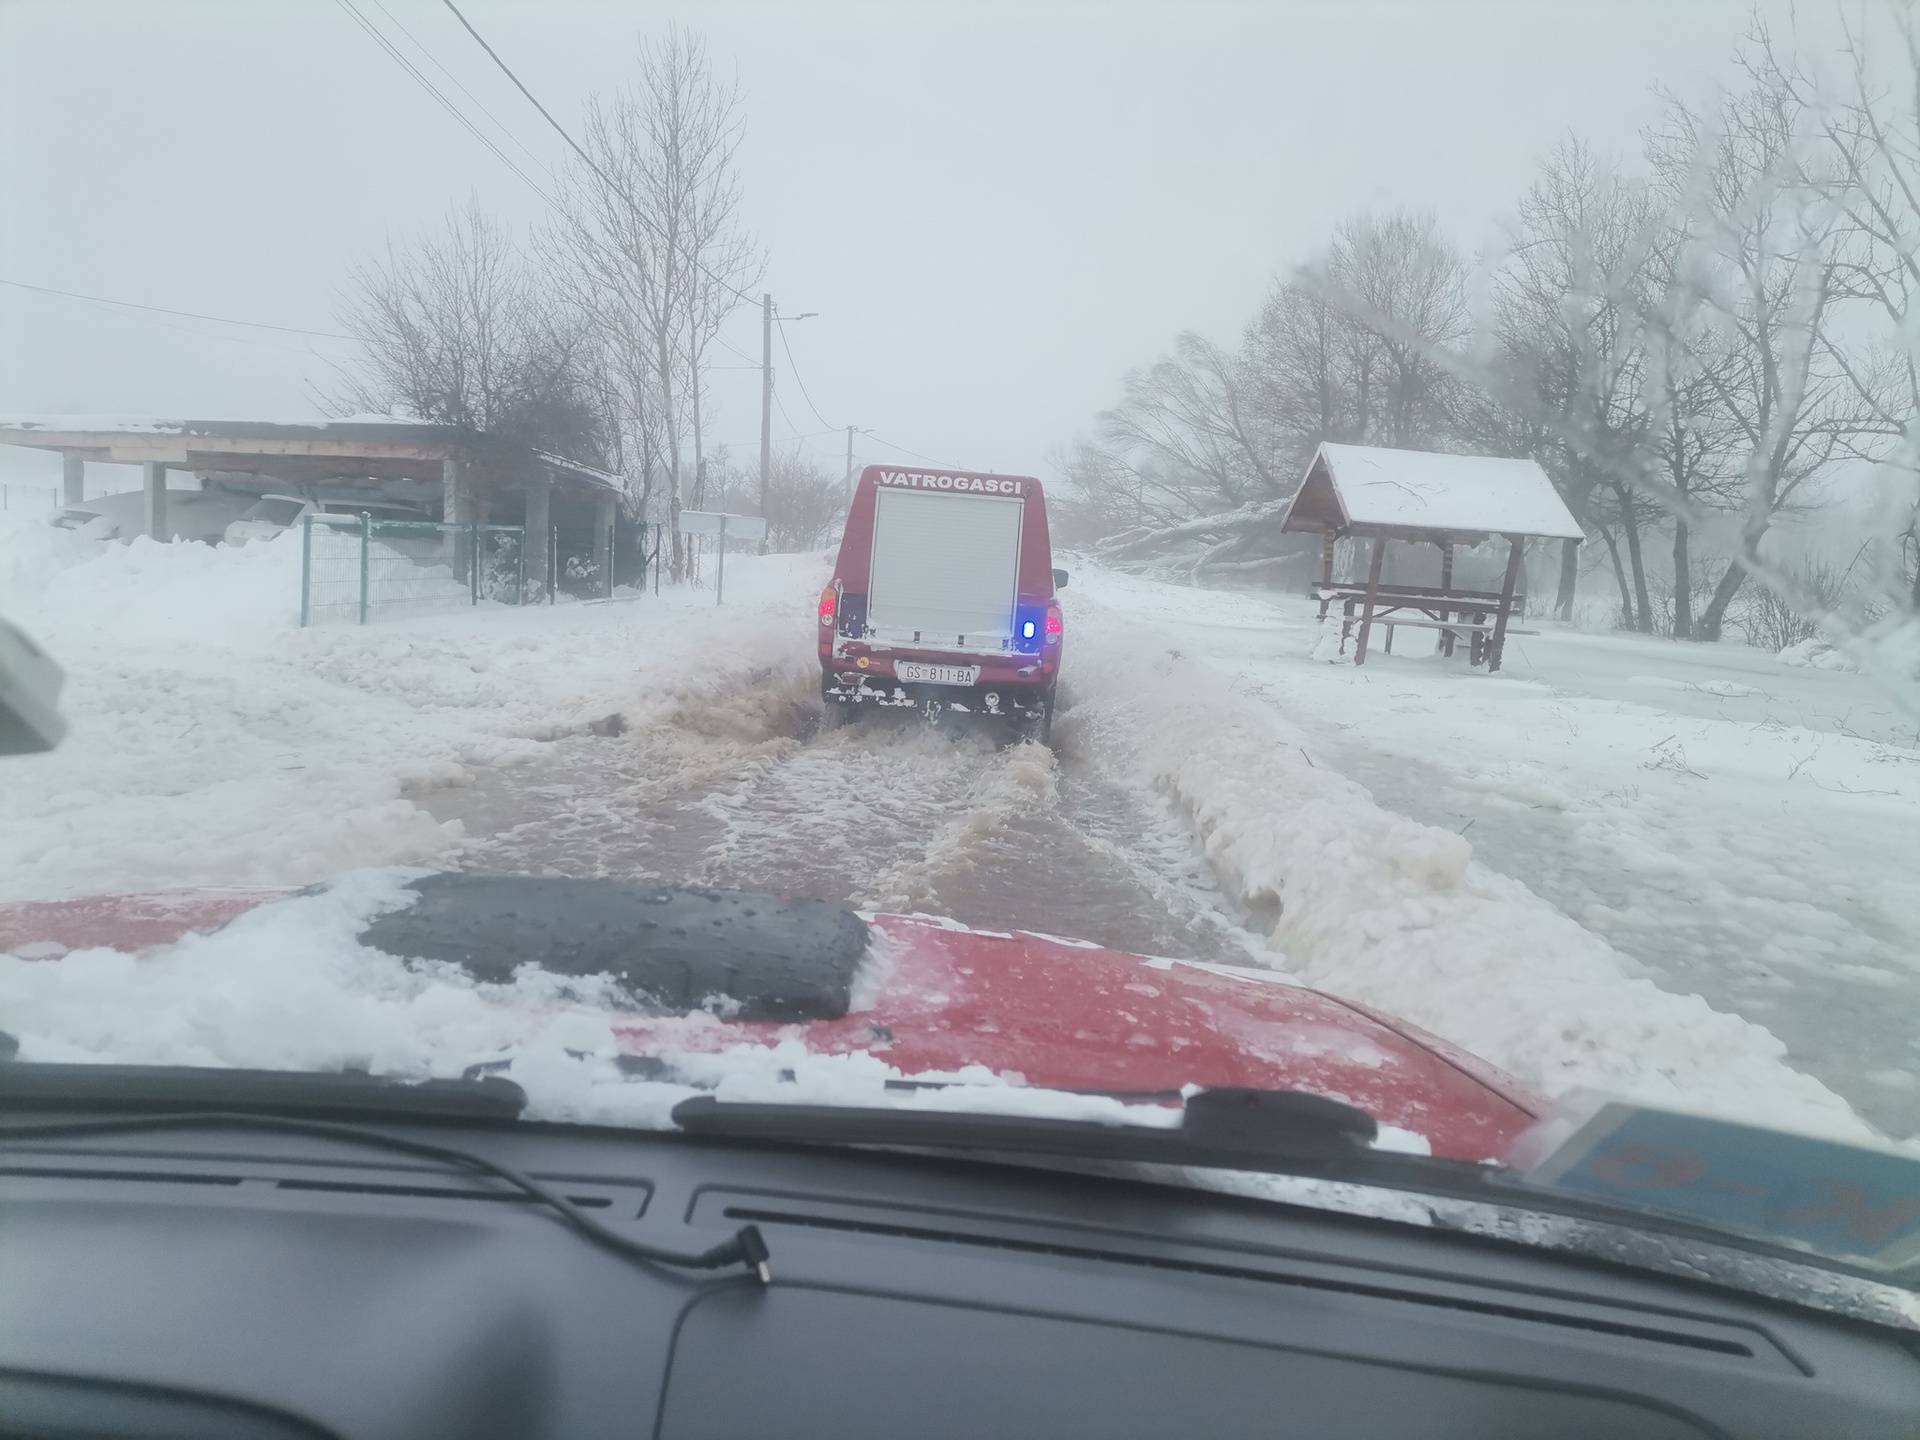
<point x="997" y="209"/>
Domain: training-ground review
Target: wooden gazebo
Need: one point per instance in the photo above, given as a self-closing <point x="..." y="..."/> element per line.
<point x="1368" y="493"/>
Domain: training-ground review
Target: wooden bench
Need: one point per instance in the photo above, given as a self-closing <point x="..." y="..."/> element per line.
<point x="1452" y="627"/>
<point x="1457" y="627"/>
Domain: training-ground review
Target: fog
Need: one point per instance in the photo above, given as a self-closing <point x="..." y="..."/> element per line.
<point x="996" y="209"/>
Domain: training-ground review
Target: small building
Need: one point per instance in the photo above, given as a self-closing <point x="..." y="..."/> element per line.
<point x="1373" y="494"/>
<point x="460" y="476"/>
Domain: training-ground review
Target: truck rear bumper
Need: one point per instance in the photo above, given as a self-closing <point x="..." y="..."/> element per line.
<point x="987" y="698"/>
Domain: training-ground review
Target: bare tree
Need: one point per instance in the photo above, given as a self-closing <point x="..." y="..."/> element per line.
<point x="1105" y="493"/>
<point x="805" y="502"/>
<point x="649" y="242"/>
<point x="1403" y="289"/>
<point x="1761" y="261"/>
<point x="1191" y="418"/>
<point x="1205" y="442"/>
<point x="1295" y="352"/>
<point x="1567" y="366"/>
<point x="1867" y="167"/>
<point x="458" y="330"/>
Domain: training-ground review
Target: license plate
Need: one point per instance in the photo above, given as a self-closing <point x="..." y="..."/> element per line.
<point x="937" y="674"/>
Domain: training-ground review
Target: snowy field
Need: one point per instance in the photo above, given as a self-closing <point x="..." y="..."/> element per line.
<point x="1731" y="826"/>
<point x="1582" y="869"/>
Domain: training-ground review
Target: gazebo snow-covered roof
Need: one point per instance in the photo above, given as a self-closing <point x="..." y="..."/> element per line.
<point x="1416" y="495"/>
<point x="1365" y="492"/>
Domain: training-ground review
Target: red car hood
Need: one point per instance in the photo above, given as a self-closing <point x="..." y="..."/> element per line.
<point x="1060" y="1014"/>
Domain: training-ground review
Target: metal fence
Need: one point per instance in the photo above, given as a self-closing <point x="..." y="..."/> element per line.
<point x="29" y="499"/>
<point x="355" y="569"/>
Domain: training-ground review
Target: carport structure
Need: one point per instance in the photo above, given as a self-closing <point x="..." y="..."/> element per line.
<point x="470" y="477"/>
<point x="1370" y="493"/>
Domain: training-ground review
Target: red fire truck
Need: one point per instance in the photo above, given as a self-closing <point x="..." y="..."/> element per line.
<point x="944" y="598"/>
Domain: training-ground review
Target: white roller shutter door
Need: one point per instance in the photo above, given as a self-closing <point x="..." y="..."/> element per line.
<point x="945" y="567"/>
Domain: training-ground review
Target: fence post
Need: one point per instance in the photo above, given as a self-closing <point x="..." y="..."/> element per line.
<point x="553" y="560"/>
<point x="520" y="583"/>
<point x="720" y="563"/>
<point x="474" y="559"/>
<point x="366" y="538"/>
<point x="306" y="570"/>
<point x="611" y="529"/>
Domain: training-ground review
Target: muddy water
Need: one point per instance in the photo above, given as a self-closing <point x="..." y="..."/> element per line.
<point x="888" y="814"/>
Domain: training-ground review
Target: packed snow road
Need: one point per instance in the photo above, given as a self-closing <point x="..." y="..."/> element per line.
<point x="746" y="790"/>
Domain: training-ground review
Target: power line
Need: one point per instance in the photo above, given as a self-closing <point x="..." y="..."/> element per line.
<point x="882" y="440"/>
<point x="794" y="370"/>
<point x="182" y="314"/>
<point x="561" y="130"/>
<point x="472" y="129"/>
<point x="419" y="45"/>
<point x="792" y="428"/>
<point x="374" y="33"/>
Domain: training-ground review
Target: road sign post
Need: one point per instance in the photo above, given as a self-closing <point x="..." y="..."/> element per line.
<point x="714" y="522"/>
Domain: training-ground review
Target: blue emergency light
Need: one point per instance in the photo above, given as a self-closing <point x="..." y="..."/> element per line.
<point x="1029" y="627"/>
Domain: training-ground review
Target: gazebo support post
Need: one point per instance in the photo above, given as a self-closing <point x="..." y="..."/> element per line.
<point x="1506" y="606"/>
<point x="1446" y="587"/>
<point x="1373" y="591"/>
<point x="1327" y="542"/>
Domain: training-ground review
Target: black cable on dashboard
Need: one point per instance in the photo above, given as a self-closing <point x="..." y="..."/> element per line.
<point x="746" y="1247"/>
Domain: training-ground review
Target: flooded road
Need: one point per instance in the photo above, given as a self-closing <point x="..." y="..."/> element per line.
<point x="888" y="813"/>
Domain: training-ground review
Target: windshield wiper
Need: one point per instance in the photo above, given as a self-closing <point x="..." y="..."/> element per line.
<point x="345" y="1093"/>
<point x="1286" y="1131"/>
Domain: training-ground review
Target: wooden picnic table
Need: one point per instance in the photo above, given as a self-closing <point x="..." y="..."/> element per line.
<point x="1452" y="612"/>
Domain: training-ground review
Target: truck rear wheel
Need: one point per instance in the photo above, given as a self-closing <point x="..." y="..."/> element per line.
<point x="834" y="712"/>
<point x="1037" y="724"/>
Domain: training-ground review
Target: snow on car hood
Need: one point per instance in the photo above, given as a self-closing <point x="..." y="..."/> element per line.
<point x="1022" y="1022"/>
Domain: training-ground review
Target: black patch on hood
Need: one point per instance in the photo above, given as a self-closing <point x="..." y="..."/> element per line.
<point x="674" y="948"/>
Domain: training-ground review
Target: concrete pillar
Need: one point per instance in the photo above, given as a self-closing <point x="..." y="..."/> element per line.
<point x="539" y="521"/>
<point x="605" y="508"/>
<point x="156" y="507"/>
<point x="456" y="508"/>
<point x="73" y="479"/>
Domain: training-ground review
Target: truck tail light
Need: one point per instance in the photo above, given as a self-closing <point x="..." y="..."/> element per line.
<point x="829" y="605"/>
<point x="1056" y="624"/>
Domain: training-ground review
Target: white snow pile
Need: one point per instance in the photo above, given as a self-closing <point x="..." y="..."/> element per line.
<point x="213" y="742"/>
<point x="1373" y="905"/>
<point x="1817" y="653"/>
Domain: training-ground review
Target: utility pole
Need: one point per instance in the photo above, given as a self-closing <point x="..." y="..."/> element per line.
<point x="852" y="430"/>
<point x="766" y="403"/>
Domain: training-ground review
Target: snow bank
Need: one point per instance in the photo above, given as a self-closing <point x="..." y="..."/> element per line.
<point x="213" y="742"/>
<point x="1367" y="903"/>
<point x="1817" y="653"/>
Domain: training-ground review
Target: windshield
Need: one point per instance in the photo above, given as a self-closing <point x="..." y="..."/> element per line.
<point x="273" y="511"/>
<point x="1400" y="582"/>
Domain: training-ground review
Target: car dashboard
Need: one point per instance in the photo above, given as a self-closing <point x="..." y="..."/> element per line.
<point x="207" y="1283"/>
